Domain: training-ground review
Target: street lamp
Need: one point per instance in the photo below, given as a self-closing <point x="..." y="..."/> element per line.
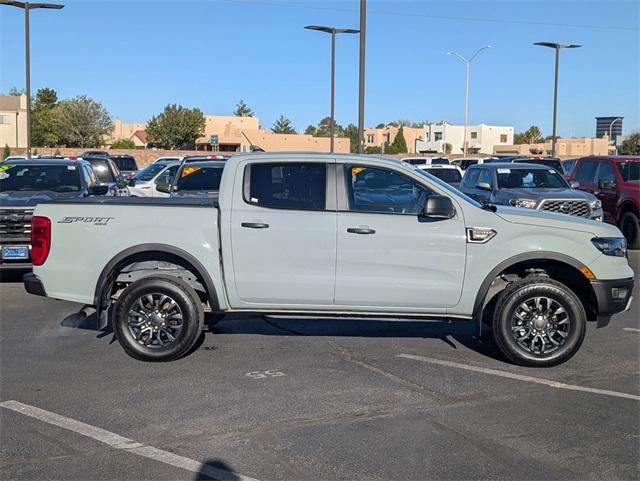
<point x="26" y="6"/>
<point x="611" y="127"/>
<point x="557" y="47"/>
<point x="333" y="32"/>
<point x="466" y="95"/>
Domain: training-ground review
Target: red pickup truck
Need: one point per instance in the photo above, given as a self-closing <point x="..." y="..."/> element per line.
<point x="615" y="180"/>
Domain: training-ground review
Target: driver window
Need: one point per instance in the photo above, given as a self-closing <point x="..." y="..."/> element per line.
<point x="383" y="191"/>
<point x="167" y="176"/>
<point x="605" y="172"/>
<point x="487" y="177"/>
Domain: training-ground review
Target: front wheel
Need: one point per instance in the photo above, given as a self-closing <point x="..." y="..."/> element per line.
<point x="539" y="322"/>
<point x="158" y="319"/>
<point x="630" y="227"/>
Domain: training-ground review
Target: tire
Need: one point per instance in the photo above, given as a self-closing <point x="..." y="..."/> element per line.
<point x="545" y="336"/>
<point x="630" y="227"/>
<point x="140" y="327"/>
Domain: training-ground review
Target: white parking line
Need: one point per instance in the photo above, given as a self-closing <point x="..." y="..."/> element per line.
<point x="632" y="329"/>
<point x="118" y="442"/>
<point x="519" y="377"/>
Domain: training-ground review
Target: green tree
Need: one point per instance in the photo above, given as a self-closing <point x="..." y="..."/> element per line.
<point x="531" y="136"/>
<point x="311" y="130"/>
<point x="324" y="128"/>
<point x="448" y="148"/>
<point x="43" y="124"/>
<point x="175" y="127"/>
<point x="374" y="149"/>
<point x="6" y="152"/>
<point x="380" y="126"/>
<point x="15" y="92"/>
<point x="283" y="126"/>
<point x="82" y="122"/>
<point x="123" y="144"/>
<point x="399" y="144"/>
<point x="631" y="145"/>
<point x="351" y="131"/>
<point x="242" y="110"/>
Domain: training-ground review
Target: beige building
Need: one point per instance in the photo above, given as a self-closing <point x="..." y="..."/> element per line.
<point x="386" y="136"/>
<point x="228" y="133"/>
<point x="239" y="134"/>
<point x="13" y="121"/>
<point x="574" y="147"/>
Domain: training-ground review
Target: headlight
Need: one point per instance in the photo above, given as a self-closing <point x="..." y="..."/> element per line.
<point x="526" y="203"/>
<point x="611" y="246"/>
<point x="595" y="204"/>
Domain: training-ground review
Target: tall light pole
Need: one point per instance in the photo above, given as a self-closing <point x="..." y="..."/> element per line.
<point x="466" y="94"/>
<point x="557" y="47"/>
<point x="611" y="129"/>
<point x="26" y="6"/>
<point x="363" y="42"/>
<point x="333" y="31"/>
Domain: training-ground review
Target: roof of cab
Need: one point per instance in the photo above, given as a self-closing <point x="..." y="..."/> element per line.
<point x="509" y="165"/>
<point x="46" y="161"/>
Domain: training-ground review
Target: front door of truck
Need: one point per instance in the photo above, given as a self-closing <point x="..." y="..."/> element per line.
<point x="389" y="255"/>
<point x="283" y="235"/>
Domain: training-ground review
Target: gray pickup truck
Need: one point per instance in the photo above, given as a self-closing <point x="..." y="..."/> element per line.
<point x="329" y="234"/>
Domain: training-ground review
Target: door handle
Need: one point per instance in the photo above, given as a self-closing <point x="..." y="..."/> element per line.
<point x="360" y="230"/>
<point x="255" y="225"/>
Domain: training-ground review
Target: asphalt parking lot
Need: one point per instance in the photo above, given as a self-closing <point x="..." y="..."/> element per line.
<point x="321" y="399"/>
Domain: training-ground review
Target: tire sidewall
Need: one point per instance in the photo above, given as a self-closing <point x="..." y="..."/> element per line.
<point x="630" y="219"/>
<point x="505" y="311"/>
<point x="189" y="304"/>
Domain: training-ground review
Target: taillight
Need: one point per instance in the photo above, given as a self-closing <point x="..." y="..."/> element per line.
<point x="40" y="239"/>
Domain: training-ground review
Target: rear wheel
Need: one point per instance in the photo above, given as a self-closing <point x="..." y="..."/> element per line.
<point x="630" y="227"/>
<point x="158" y="318"/>
<point x="539" y="322"/>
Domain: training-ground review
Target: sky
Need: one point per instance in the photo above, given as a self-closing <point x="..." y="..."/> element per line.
<point x="137" y="56"/>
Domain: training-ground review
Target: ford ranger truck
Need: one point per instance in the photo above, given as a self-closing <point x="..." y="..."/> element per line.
<point x="330" y="234"/>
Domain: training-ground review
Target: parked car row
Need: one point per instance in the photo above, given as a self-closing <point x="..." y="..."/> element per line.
<point x="597" y="188"/>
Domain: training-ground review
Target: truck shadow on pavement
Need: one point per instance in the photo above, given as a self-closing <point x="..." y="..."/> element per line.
<point x="451" y="333"/>
<point x="214" y="469"/>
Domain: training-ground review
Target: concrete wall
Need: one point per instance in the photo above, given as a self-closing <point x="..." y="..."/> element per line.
<point x="578" y="147"/>
<point x="377" y="137"/>
<point x="486" y="137"/>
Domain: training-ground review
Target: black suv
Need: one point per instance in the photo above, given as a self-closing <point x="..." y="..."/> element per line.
<point x="109" y="175"/>
<point x="126" y="164"/>
<point x="26" y="183"/>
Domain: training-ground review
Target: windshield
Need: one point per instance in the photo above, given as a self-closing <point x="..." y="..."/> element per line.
<point x="441" y="161"/>
<point x="55" y="178"/>
<point x="150" y="172"/>
<point x="101" y="168"/>
<point x="630" y="171"/>
<point x="530" y="179"/>
<point x="200" y="178"/>
<point x="555" y="163"/>
<point x="443" y="185"/>
<point x="125" y="163"/>
<point x="448" y="175"/>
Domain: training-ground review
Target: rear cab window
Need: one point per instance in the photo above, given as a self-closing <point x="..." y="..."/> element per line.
<point x="470" y="178"/>
<point x="290" y="185"/>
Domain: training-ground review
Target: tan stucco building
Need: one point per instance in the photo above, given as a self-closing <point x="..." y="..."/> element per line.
<point x="574" y="147"/>
<point x="386" y="136"/>
<point x="13" y="121"/>
<point x="228" y="133"/>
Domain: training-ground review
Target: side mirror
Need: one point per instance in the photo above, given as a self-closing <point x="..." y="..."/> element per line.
<point x="98" y="189"/>
<point x="574" y="184"/>
<point x="439" y="206"/>
<point x="484" y="186"/>
<point x="163" y="187"/>
<point x="606" y="184"/>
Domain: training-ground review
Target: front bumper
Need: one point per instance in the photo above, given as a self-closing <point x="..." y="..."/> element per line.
<point x="613" y="295"/>
<point x="33" y="285"/>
